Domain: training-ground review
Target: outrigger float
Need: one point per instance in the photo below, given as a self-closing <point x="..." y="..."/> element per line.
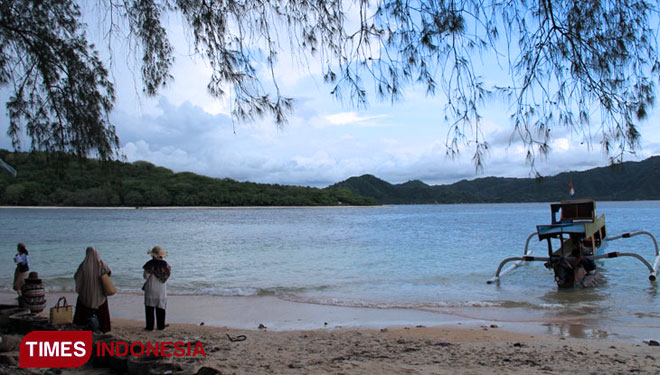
<point x="582" y="240"/>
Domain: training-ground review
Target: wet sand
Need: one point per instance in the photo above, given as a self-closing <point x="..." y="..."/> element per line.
<point x="302" y="338"/>
<point x="280" y="315"/>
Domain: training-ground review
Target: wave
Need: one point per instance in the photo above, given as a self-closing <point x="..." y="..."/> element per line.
<point x="277" y="291"/>
<point x="318" y="295"/>
<point x="330" y="295"/>
<point x="436" y="306"/>
<point x="67" y="284"/>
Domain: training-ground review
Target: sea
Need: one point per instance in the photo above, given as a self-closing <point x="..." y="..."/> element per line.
<point x="433" y="258"/>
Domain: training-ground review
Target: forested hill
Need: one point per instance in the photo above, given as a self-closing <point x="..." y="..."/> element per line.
<point x="57" y="180"/>
<point x="625" y="181"/>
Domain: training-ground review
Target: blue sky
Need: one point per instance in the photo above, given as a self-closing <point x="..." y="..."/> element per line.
<point x="325" y="141"/>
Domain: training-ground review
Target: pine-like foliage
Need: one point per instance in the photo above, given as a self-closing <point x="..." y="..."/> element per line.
<point x="590" y="66"/>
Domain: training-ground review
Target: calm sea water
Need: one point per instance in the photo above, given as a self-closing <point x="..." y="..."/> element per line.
<point x="431" y="257"/>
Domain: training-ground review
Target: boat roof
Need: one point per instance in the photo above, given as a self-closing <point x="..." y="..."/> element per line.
<point x="574" y="210"/>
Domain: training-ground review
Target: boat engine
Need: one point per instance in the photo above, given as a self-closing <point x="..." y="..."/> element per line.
<point x="564" y="271"/>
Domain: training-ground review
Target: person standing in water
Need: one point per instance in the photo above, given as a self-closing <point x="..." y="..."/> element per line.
<point x="156" y="273"/>
<point x="22" y="260"/>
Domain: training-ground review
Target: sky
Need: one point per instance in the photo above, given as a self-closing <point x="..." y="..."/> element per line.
<point x="325" y="140"/>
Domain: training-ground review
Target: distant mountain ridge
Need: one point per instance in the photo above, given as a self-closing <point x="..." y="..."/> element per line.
<point x="58" y="180"/>
<point x="624" y="181"/>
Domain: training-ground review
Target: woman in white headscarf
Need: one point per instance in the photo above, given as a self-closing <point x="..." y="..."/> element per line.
<point x="156" y="272"/>
<point x="91" y="300"/>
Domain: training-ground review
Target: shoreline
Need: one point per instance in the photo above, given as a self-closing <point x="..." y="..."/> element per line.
<point x="292" y="207"/>
<point x="280" y="315"/>
<point x="249" y="312"/>
<point x="179" y="207"/>
<point x="449" y="346"/>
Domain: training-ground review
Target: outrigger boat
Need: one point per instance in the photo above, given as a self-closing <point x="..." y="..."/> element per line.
<point x="582" y="239"/>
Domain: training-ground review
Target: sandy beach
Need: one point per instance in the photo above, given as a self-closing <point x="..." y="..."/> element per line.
<point x="314" y="339"/>
<point x="408" y="350"/>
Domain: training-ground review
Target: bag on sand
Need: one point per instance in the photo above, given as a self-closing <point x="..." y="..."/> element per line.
<point x="93" y="323"/>
<point x="61" y="314"/>
<point x="108" y="287"/>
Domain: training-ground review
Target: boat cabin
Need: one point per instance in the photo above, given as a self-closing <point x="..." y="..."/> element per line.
<point x="575" y="224"/>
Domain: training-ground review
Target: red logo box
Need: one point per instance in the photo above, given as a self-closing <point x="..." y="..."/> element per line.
<point x="55" y="349"/>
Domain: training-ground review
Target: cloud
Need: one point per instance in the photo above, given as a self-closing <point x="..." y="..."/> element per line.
<point x="186" y="137"/>
<point x="345" y="118"/>
<point x="326" y="141"/>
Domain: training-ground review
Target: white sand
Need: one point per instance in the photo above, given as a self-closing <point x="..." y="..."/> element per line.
<point x="297" y="340"/>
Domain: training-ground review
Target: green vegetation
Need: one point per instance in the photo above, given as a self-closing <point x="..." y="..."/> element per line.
<point x="624" y="181"/>
<point x="47" y="179"/>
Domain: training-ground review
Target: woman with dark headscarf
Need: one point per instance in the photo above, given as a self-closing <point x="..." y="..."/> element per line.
<point x="22" y="260"/>
<point x="156" y="272"/>
<point x="91" y="300"/>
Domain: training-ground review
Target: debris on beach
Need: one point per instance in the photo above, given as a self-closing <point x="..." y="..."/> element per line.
<point x="208" y="371"/>
<point x="238" y="338"/>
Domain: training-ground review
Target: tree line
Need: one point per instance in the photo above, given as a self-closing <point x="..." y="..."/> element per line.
<point x="58" y="179"/>
<point x="618" y="182"/>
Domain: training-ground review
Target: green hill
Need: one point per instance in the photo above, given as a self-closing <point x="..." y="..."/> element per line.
<point x="624" y="181"/>
<point x="58" y="180"/>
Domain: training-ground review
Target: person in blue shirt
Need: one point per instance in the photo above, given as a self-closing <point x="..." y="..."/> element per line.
<point x="22" y="260"/>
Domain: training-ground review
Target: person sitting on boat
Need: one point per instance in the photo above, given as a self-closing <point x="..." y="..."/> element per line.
<point x="575" y="261"/>
<point x="579" y="252"/>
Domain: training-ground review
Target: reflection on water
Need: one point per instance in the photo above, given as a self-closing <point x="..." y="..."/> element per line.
<point x="582" y="312"/>
<point x="580" y="330"/>
<point x="575" y="295"/>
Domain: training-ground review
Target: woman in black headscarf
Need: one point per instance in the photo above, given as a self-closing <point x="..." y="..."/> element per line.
<point x="156" y="272"/>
